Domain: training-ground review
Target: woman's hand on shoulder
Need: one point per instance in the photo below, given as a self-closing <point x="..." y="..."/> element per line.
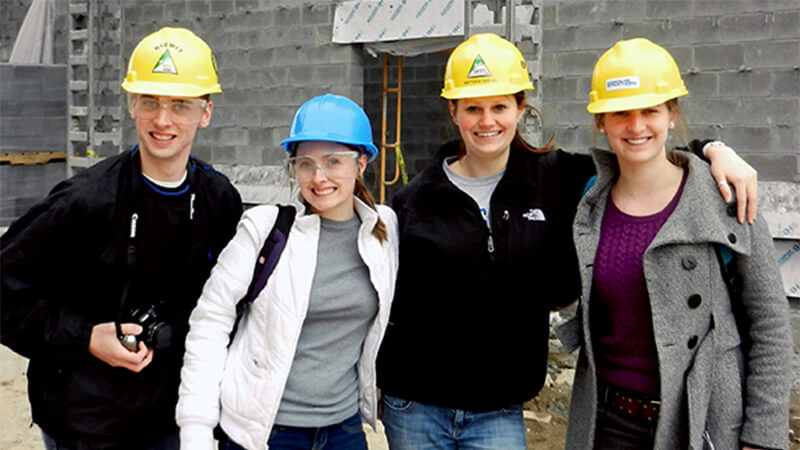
<point x="733" y="173"/>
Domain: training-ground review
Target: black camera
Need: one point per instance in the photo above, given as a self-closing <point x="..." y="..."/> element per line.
<point x="156" y="333"/>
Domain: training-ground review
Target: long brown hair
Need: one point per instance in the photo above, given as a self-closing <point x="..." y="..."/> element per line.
<point x="360" y="190"/>
<point x="363" y="193"/>
<point x="518" y="140"/>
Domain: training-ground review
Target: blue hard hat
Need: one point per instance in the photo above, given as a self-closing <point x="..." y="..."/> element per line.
<point x="332" y="118"/>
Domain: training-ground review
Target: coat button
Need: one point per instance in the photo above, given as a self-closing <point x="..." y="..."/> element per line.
<point x="689" y="262"/>
<point x="694" y="300"/>
<point x="732" y="210"/>
<point x="692" y="342"/>
<point x="732" y="238"/>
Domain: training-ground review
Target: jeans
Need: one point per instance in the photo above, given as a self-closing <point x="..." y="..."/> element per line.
<point x="619" y="431"/>
<point x="170" y="442"/>
<point x="419" y="426"/>
<point x="347" y="435"/>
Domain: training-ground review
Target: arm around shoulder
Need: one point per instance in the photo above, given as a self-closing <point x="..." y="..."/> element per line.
<point x="769" y="361"/>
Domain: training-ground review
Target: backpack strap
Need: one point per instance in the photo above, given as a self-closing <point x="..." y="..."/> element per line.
<point x="733" y="282"/>
<point x="266" y="262"/>
<point x="589" y="184"/>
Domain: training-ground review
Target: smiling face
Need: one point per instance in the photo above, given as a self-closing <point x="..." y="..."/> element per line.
<point x="638" y="135"/>
<point x="329" y="192"/>
<point x="487" y="124"/>
<point x="166" y="130"/>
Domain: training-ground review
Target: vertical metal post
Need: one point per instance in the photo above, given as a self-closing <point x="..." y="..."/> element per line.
<point x="398" y="90"/>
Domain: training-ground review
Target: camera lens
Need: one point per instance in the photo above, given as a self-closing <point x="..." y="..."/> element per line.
<point x="160" y="336"/>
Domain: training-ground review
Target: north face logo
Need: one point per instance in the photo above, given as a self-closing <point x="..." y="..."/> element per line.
<point x="534" y="215"/>
<point x="479" y="69"/>
<point x="165" y="64"/>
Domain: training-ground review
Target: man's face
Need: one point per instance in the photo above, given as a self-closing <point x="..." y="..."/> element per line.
<point x="166" y="126"/>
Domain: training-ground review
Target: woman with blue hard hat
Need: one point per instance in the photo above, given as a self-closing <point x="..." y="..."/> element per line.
<point x="486" y="253"/>
<point x="300" y="371"/>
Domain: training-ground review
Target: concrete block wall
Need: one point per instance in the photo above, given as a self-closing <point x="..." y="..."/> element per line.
<point x="33" y="108"/>
<point x="23" y="186"/>
<point x="740" y="61"/>
<point x="33" y="118"/>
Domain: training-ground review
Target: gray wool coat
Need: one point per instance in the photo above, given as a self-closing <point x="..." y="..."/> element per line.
<point x="712" y="395"/>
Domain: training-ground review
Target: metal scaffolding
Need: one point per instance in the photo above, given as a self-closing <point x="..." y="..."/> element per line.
<point x="93" y="74"/>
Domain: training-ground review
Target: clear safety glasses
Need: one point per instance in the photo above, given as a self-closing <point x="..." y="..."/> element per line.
<point x="183" y="111"/>
<point x="333" y="165"/>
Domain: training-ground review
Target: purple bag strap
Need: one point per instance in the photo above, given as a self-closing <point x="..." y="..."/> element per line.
<point x="266" y="262"/>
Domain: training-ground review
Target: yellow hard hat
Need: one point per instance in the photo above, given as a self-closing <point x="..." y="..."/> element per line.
<point x="172" y="62"/>
<point x="634" y="74"/>
<point x="483" y="66"/>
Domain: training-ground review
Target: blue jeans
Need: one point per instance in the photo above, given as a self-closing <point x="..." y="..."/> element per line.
<point x="171" y="442"/>
<point x="419" y="426"/>
<point x="347" y="435"/>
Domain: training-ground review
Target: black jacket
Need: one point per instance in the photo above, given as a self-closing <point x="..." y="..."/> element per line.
<point x="469" y="326"/>
<point x="64" y="265"/>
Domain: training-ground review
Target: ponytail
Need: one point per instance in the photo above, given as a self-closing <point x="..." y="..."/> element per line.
<point x="363" y="193"/>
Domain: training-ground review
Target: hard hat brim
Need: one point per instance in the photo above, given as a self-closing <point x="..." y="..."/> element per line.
<point x="168" y="89"/>
<point x="488" y="90"/>
<point x="370" y="149"/>
<point x="636" y="102"/>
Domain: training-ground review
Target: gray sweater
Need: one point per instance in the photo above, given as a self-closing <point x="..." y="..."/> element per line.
<point x="322" y="388"/>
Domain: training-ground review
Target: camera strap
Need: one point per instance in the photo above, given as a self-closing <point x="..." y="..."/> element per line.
<point x="138" y="183"/>
<point x="130" y="262"/>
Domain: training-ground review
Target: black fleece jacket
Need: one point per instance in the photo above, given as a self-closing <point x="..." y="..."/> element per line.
<point x="64" y="265"/>
<point x="469" y="324"/>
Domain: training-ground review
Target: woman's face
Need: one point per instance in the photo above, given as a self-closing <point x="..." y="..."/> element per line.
<point x="326" y="173"/>
<point x="487" y="124"/>
<point x="638" y="135"/>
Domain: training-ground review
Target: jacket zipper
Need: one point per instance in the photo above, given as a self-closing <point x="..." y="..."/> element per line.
<point x="490" y="240"/>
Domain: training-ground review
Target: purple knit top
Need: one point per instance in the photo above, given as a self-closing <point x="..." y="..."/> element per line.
<point x="621" y="324"/>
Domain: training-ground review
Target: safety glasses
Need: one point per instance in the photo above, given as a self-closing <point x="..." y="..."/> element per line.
<point x="333" y="165"/>
<point x="182" y="111"/>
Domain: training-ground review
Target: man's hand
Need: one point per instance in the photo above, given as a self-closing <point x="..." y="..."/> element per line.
<point x="729" y="169"/>
<point x="106" y="347"/>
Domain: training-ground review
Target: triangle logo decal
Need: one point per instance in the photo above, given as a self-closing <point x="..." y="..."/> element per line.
<point x="165" y="64"/>
<point x="479" y="69"/>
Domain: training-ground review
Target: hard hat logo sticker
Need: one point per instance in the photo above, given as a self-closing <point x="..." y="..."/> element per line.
<point x="479" y="69"/>
<point x="617" y="84"/>
<point x="165" y="64"/>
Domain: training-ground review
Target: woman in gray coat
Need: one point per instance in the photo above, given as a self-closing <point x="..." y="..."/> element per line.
<point x="663" y="364"/>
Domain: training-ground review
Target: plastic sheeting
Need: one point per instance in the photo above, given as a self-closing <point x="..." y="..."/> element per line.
<point x="34" y="44"/>
<point x="409" y="27"/>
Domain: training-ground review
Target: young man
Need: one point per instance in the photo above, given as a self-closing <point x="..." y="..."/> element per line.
<point x="99" y="278"/>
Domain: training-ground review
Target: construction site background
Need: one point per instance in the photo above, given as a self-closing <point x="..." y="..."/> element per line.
<point x="740" y="60"/>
